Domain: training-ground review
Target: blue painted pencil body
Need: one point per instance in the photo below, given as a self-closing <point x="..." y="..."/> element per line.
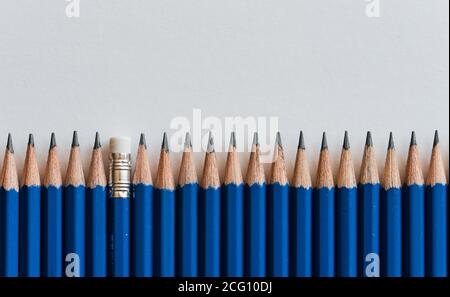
<point x="255" y="230"/>
<point x="96" y="228"/>
<point x="142" y="230"/>
<point x="414" y="230"/>
<point x="300" y="231"/>
<point x="9" y="232"/>
<point x="30" y="231"/>
<point x="187" y="230"/>
<point x="391" y="232"/>
<point x="278" y="230"/>
<point x="369" y="227"/>
<point x="233" y="230"/>
<point x="74" y="227"/>
<point x="346" y="232"/>
<point x="52" y="239"/>
<point x="119" y="237"/>
<point x="436" y="207"/>
<point x="209" y="235"/>
<point x="164" y="240"/>
<point x="323" y="234"/>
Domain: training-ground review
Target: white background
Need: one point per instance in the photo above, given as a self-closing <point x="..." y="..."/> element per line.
<point x="126" y="67"/>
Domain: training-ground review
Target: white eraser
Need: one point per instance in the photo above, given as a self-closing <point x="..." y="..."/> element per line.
<point x="120" y="145"/>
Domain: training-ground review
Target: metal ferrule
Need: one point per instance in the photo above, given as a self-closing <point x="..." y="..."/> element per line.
<point x="119" y="175"/>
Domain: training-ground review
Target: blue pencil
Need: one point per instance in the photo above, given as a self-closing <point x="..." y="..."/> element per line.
<point x="186" y="215"/>
<point x="346" y="215"/>
<point x="119" y="188"/>
<point x="436" y="215"/>
<point x="414" y="215"/>
<point x="209" y="216"/>
<point x="30" y="216"/>
<point x="164" y="216"/>
<point x="142" y="215"/>
<point x="300" y="216"/>
<point x="323" y="217"/>
<point x="9" y="214"/>
<point x="52" y="222"/>
<point x="233" y="215"/>
<point x="391" y="216"/>
<point x="74" y="214"/>
<point x="369" y="214"/>
<point x="96" y="221"/>
<point x="278" y="216"/>
<point x="255" y="215"/>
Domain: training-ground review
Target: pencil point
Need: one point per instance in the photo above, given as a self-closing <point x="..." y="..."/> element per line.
<point x="97" y="143"/>
<point x="255" y="138"/>
<point x="301" y="141"/>
<point x="391" y="145"/>
<point x="31" y="140"/>
<point x="436" y="138"/>
<point x="324" y="142"/>
<point x="369" y="142"/>
<point x="233" y="139"/>
<point x="52" y="141"/>
<point x="75" y="139"/>
<point x="413" y="139"/>
<point x="278" y="140"/>
<point x="210" y="148"/>
<point x="142" y="140"/>
<point x="165" y="143"/>
<point x="346" y="145"/>
<point x="9" y="144"/>
<point x="187" y="140"/>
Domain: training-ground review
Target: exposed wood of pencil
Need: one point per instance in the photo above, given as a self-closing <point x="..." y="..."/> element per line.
<point x="324" y="172"/>
<point x="52" y="175"/>
<point x="188" y="173"/>
<point x="96" y="176"/>
<point x="74" y="173"/>
<point x="210" y="177"/>
<point x="278" y="170"/>
<point x="30" y="168"/>
<point x="346" y="174"/>
<point x="233" y="173"/>
<point x="8" y="176"/>
<point x="164" y="177"/>
<point x="255" y="170"/>
<point x="142" y="174"/>
<point x="436" y="171"/>
<point x="391" y="174"/>
<point x="302" y="176"/>
<point x="414" y="174"/>
<point x="369" y="170"/>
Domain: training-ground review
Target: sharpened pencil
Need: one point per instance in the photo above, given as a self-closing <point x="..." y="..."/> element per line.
<point x="414" y="215"/>
<point x="30" y="215"/>
<point x="74" y="214"/>
<point x="9" y="214"/>
<point x="391" y="216"/>
<point x="233" y="215"/>
<point x="255" y="215"/>
<point x="52" y="221"/>
<point x="278" y="216"/>
<point x="346" y="215"/>
<point x="209" y="216"/>
<point x="142" y="215"/>
<point x="436" y="214"/>
<point x="187" y="212"/>
<point x="164" y="216"/>
<point x="300" y="216"/>
<point x="96" y="210"/>
<point x="369" y="213"/>
<point x="323" y="216"/>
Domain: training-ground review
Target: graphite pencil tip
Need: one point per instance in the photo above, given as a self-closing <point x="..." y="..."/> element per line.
<point x="97" y="142"/>
<point x="187" y="140"/>
<point x="142" y="140"/>
<point x="210" y="147"/>
<point x="75" y="142"/>
<point x="346" y="145"/>
<point x="9" y="144"/>
<point x="324" y="142"/>
<point x="301" y="141"/>
<point x="278" y="140"/>
<point x="165" y="143"/>
<point x="52" y="141"/>
<point x="436" y="138"/>
<point x="233" y="139"/>
<point x="31" y="140"/>
<point x="413" y="139"/>
<point x="369" y="141"/>
<point x="391" y="145"/>
<point x="255" y="138"/>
